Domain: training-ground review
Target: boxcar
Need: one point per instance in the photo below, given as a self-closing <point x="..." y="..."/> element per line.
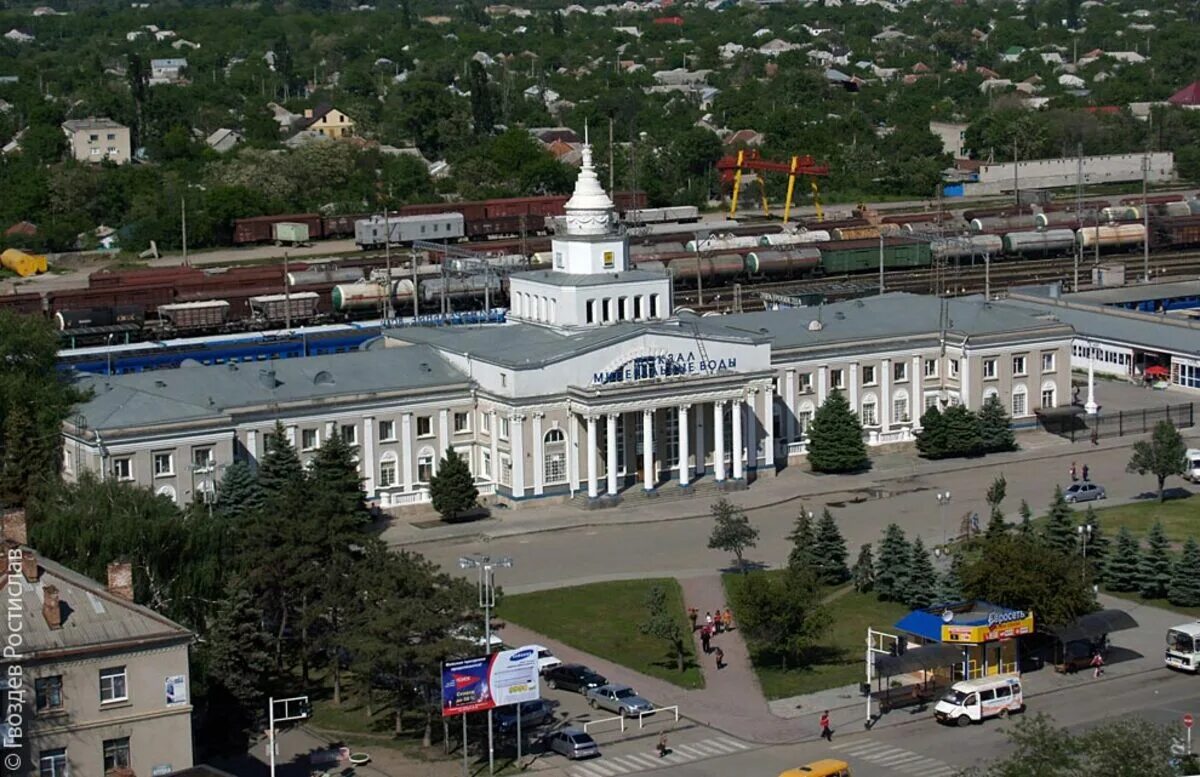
<point x="260" y="229"/>
<point x="850" y="256"/>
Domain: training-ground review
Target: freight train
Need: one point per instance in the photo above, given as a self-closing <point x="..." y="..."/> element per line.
<point x="482" y="219"/>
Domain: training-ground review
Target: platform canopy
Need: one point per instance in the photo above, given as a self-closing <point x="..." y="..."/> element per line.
<point x="1093" y="625"/>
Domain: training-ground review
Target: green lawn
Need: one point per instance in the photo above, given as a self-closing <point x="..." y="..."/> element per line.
<point x="1180" y="517"/>
<point x="602" y="619"/>
<point x="1193" y="612"/>
<point x="839" y="659"/>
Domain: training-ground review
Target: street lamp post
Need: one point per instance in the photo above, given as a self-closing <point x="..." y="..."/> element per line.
<point x="943" y="499"/>
<point x="1085" y="533"/>
<point x="288" y="712"/>
<point x="487" y="600"/>
<point x="1091" y="407"/>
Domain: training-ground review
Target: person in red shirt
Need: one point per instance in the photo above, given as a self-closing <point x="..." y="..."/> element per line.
<point x="826" y="731"/>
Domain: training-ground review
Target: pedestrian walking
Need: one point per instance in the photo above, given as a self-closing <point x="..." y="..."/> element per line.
<point x="826" y="731"/>
<point x="727" y="619"/>
<point x="1085" y="473"/>
<point x="1074" y="477"/>
<point x="662" y="745"/>
<point x="693" y="616"/>
<point x="1097" y="665"/>
<point x="708" y="619"/>
<point x="720" y="658"/>
<point x="706" y="638"/>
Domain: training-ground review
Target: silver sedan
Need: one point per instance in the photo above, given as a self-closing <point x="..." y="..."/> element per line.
<point x="620" y="699"/>
<point x="1084" y="492"/>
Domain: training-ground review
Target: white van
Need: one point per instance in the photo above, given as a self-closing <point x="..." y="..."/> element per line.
<point x="1191" y="465"/>
<point x="973" y="700"/>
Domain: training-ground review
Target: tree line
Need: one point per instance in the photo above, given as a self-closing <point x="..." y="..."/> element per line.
<point x="284" y="582"/>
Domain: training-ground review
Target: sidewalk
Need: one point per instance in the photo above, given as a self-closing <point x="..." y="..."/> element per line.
<point x="892" y="472"/>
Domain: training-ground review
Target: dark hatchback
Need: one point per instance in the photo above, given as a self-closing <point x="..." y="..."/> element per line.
<point x="573" y="677"/>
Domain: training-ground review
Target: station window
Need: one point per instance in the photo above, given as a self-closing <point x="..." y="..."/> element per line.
<point x="164" y="464"/>
<point x="349" y="434"/>
<point x="425" y="467"/>
<point x="989" y="368"/>
<point x="123" y="469"/>
<point x="1047" y="362"/>
<point x="1019" y="365"/>
<point x="655" y="306"/>
<point x="424" y="426"/>
<point x="900" y="371"/>
<point x="387" y="430"/>
<point x="805" y="382"/>
<point x="462" y="423"/>
<point x="837" y="379"/>
<point x="931" y="368"/>
<point x="309" y="439"/>
<point x="868" y="375"/>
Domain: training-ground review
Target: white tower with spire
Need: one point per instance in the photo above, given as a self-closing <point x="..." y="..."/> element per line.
<point x="590" y="282"/>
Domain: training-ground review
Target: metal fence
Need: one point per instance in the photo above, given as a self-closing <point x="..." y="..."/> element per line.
<point x="1081" y="426"/>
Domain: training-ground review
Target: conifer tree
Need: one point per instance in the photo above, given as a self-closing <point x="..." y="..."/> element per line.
<point x="334" y="479"/>
<point x="279" y="471"/>
<point x="804" y="540"/>
<point x="921" y="585"/>
<point x="1097" y="543"/>
<point x="1154" y="573"/>
<point x="949" y="589"/>
<point x="835" y="442"/>
<point x="962" y="432"/>
<point x="995" y="427"/>
<point x="830" y="551"/>
<point x="1185" y="580"/>
<point x="1122" y="570"/>
<point x="1059" y="531"/>
<point x="452" y="487"/>
<point x="18" y="469"/>
<point x="238" y="495"/>
<point x="995" y="495"/>
<point x="863" y="572"/>
<point x="931" y="440"/>
<point x="892" y="568"/>
<point x="1026" y="526"/>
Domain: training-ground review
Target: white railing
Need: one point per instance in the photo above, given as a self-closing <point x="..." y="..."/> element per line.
<point x="587" y="729"/>
<point x="402" y="499"/>
<point x="799" y="448"/>
<point x="486" y="489"/>
<point x="642" y="715"/>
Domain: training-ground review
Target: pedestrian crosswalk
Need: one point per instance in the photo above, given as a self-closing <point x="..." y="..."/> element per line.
<point x="895" y="759"/>
<point x="612" y="765"/>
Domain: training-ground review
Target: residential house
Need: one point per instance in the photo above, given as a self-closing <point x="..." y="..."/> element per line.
<point x="327" y="121"/>
<point x="762" y="32"/>
<point x="182" y="44"/>
<point x="16" y="36"/>
<point x="681" y="77"/>
<point x="1187" y="97"/>
<point x="304" y="138"/>
<point x="634" y="31"/>
<point x="167" y="71"/>
<point x="986" y="72"/>
<point x="745" y="137"/>
<point x="98" y="139"/>
<point x="45" y="10"/>
<point x="224" y="140"/>
<point x="953" y="136"/>
<point x="1071" y="82"/>
<point x="1051" y="58"/>
<point x="14" y="145"/>
<point x="994" y="84"/>
<point x="134" y="35"/>
<point x="1128" y="57"/>
<point x="777" y="46"/>
<point x="890" y="34"/>
<point x="1012" y="54"/>
<point x="283" y="117"/>
<point x="548" y="135"/>
<point x="105" y="682"/>
<point x="164" y="35"/>
<point x="541" y="93"/>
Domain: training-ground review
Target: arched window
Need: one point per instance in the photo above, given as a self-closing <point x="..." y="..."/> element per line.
<point x="591" y="311"/>
<point x="804" y="416"/>
<point x="623" y="313"/>
<point x="425" y="465"/>
<point x="554" y="457"/>
<point x="900" y="407"/>
<point x="167" y="491"/>
<point x="1049" y="395"/>
<point x="388" y="466"/>
<point x="639" y="307"/>
<point x="869" y="413"/>
<point x="655" y="305"/>
<point x="553" y="310"/>
<point x="1020" y="401"/>
<point x="990" y="392"/>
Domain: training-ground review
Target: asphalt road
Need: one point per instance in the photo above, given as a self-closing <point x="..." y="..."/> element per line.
<point x="679" y="548"/>
<point x="926" y="748"/>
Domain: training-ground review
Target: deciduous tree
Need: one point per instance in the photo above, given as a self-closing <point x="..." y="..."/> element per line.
<point x="732" y="531"/>
<point x="835" y="441"/>
<point x="1024" y="574"/>
<point x="995" y="496"/>
<point x="1161" y="455"/>
<point x="781" y="615"/>
<point x="863" y="572"/>
<point x="662" y="623"/>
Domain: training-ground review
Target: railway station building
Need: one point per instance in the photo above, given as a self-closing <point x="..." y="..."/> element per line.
<point x="594" y="386"/>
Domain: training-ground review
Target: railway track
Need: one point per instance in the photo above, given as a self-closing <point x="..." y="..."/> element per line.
<point x="951" y="280"/>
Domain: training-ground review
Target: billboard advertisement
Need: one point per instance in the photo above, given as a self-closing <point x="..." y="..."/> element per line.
<point x="497" y="680"/>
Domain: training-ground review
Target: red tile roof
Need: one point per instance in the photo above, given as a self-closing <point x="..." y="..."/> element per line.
<point x="1188" y="95"/>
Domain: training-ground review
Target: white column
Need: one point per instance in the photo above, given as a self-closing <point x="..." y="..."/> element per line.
<point x="368" y="457"/>
<point x="700" y="449"/>
<point x="789" y="402"/>
<point x="573" y="451"/>
<point x="719" y="440"/>
<point x="918" y="369"/>
<point x="822" y="384"/>
<point x="518" y="456"/>
<point x="885" y="391"/>
<point x="539" y="486"/>
<point x="252" y="448"/>
<point x="684" y="448"/>
<point x="1090" y="407"/>
<point x="443" y="434"/>
<point x="649" y="476"/>
<point x="593" y="456"/>
<point x="964" y="379"/>
<point x="610" y="422"/>
<point x="330" y="429"/>
<point x="737" y="410"/>
<point x="854" y="387"/>
<point x="750" y="412"/>
<point x="494" y="425"/>
<point x="406" y="450"/>
<point x="769" y="429"/>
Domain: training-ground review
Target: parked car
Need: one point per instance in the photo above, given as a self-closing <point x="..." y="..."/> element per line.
<point x="573" y="743"/>
<point x="546" y="659"/>
<point x="533" y="714"/>
<point x="574" y="677"/>
<point x="620" y="699"/>
<point x="1084" y="492"/>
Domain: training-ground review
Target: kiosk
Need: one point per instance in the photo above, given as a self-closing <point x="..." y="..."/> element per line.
<point x="986" y="633"/>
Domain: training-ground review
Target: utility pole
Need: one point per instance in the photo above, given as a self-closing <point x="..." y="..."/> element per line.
<point x="1016" y="178"/>
<point x="287" y="293"/>
<point x="1145" y="218"/>
<point x="881" y="263"/>
<point x="487" y="600"/>
<point x="1078" y="211"/>
<point x="416" y="303"/>
<point x="388" y="313"/>
<point x="183" y="224"/>
<point x="610" y="157"/>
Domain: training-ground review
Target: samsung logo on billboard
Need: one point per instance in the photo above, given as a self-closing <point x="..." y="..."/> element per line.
<point x="520" y="655"/>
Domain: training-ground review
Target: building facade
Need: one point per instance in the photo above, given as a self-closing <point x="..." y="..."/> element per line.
<point x="328" y="121"/>
<point x="594" y="387"/>
<point x="98" y="140"/>
<point x="102" y="683"/>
